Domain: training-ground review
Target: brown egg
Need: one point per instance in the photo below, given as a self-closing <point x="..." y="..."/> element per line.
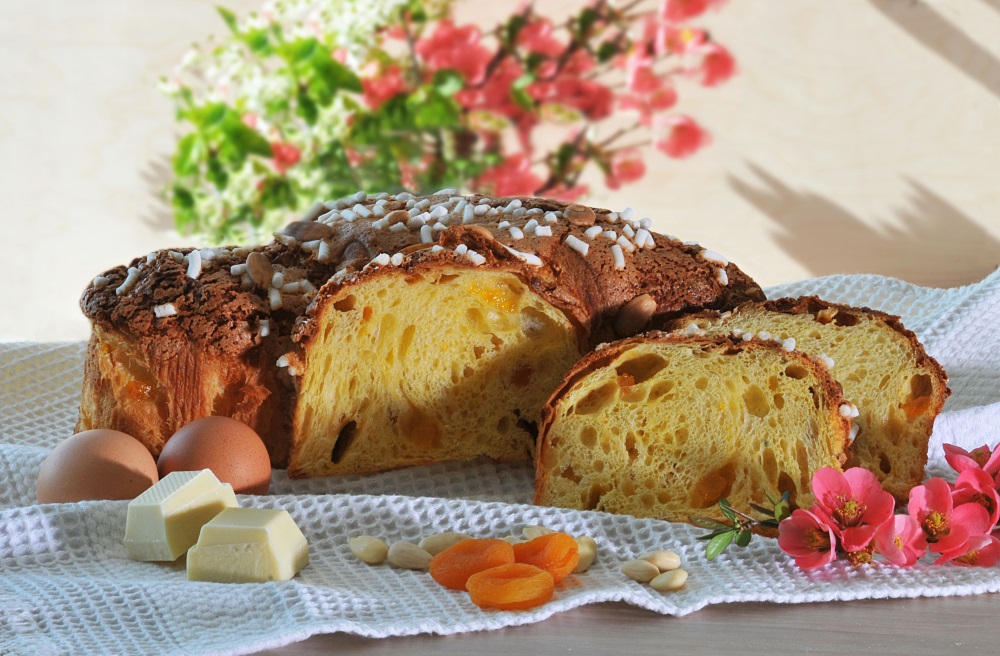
<point x="96" y="464"/>
<point x="231" y="449"/>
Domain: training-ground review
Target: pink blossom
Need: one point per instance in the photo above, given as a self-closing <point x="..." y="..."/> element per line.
<point x="684" y="137"/>
<point x="979" y="458"/>
<point x="808" y="539"/>
<point x="592" y="99"/>
<point x="381" y="87"/>
<point x="977" y="551"/>
<point x="977" y="486"/>
<point x="945" y="526"/>
<point x="285" y="156"/>
<point x="250" y="120"/>
<point x="679" y="40"/>
<point x="537" y="37"/>
<point x="625" y="166"/>
<point x="717" y="64"/>
<point x="570" y="194"/>
<point x="513" y="177"/>
<point x="677" y="11"/>
<point x="640" y="77"/>
<point x="853" y="503"/>
<point x="579" y="62"/>
<point x="660" y="100"/>
<point x="455" y="48"/>
<point x="900" y="540"/>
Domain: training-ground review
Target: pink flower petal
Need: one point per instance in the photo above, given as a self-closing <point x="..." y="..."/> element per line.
<point x="830" y="488"/>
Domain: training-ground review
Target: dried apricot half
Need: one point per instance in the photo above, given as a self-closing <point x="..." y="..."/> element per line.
<point x="453" y="566"/>
<point x="516" y="586"/>
<point x="556" y="553"/>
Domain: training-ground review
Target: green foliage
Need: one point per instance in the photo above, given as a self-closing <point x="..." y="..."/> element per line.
<point x="739" y="527"/>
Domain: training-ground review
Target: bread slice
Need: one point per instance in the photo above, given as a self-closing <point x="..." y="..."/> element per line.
<point x="898" y="389"/>
<point x="665" y="426"/>
<point x="445" y="363"/>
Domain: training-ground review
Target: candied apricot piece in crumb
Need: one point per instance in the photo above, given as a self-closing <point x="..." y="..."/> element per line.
<point x="556" y="553"/>
<point x="516" y="586"/>
<point x="453" y="566"/>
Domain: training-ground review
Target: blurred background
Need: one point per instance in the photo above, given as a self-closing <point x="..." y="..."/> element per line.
<point x="799" y="139"/>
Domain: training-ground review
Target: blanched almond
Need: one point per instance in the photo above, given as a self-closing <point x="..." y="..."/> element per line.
<point x="532" y="532"/>
<point x="259" y="269"/>
<point x="369" y="549"/>
<point x="435" y="544"/>
<point x="665" y="561"/>
<point x="672" y="580"/>
<point x="408" y="556"/>
<point x="579" y="215"/>
<point x="587" y="551"/>
<point x="642" y="571"/>
<point x="307" y="230"/>
<point x="635" y="315"/>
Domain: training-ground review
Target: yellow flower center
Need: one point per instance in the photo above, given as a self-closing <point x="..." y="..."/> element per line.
<point x="970" y="558"/>
<point x="849" y="512"/>
<point x="935" y="525"/>
<point x="898" y="541"/>
<point x="818" y="540"/>
<point x="980" y="455"/>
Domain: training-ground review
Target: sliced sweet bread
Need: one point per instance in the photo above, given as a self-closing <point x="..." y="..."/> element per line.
<point x="898" y="389"/>
<point x="385" y="330"/>
<point x="665" y="426"/>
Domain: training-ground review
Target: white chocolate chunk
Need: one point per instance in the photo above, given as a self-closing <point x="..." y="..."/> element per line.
<point x="163" y="522"/>
<point x="248" y="545"/>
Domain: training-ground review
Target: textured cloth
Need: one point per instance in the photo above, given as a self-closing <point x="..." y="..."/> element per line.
<point x="68" y="586"/>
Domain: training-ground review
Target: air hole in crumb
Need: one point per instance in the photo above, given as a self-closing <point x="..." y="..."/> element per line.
<point x="588" y="437"/>
<point x="478" y="351"/>
<point x="346" y="304"/>
<point x="769" y="464"/>
<point x="522" y="376"/>
<point x="406" y="340"/>
<point x="779" y="401"/>
<point x="884" y="464"/>
<point x="597" y="399"/>
<point x="701" y="383"/>
<point x="633" y="453"/>
<point x="647" y="500"/>
<point x="786" y="484"/>
<point x="796" y="371"/>
<point x="570" y="475"/>
<point x="444" y="279"/>
<point x="756" y="401"/>
<point x="344" y="439"/>
<point x="661" y="390"/>
<point x="641" y="368"/>
<point x="592" y="498"/>
<point x="366" y="314"/>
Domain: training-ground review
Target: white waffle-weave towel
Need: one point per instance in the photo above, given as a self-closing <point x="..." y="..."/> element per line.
<point x="67" y="585"/>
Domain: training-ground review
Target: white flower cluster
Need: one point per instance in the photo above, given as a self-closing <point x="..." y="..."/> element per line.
<point x="225" y="69"/>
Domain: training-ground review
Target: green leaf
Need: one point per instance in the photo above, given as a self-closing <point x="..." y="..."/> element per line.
<point x="258" y="41"/>
<point x="727" y="510"/>
<point x="519" y="91"/>
<point x="448" y="82"/>
<point x="229" y="17"/>
<point x="217" y="173"/>
<point x="718" y="544"/>
<point x="743" y="538"/>
<point x="584" y="23"/>
<point x="190" y="150"/>
<point x="307" y="108"/>
<point x="606" y="51"/>
<point x="335" y="75"/>
<point x="248" y="140"/>
<point x="706" y="522"/>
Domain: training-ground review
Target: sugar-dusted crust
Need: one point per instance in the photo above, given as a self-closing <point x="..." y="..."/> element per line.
<point x="224" y="322"/>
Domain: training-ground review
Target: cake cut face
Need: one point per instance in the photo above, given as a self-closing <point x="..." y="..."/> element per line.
<point x="898" y="389"/>
<point x="425" y="366"/>
<point x="667" y="426"/>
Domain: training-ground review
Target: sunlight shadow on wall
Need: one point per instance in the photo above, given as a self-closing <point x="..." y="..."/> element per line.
<point x="950" y="42"/>
<point x="934" y="243"/>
